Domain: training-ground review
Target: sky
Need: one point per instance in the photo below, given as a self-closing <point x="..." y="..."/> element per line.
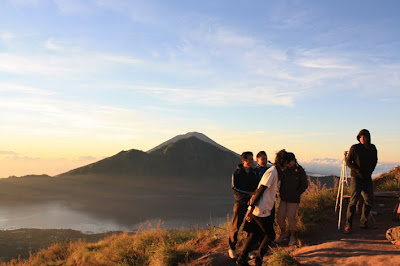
<point x="81" y="80"/>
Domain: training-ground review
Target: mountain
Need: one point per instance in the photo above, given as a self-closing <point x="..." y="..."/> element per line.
<point x="186" y="157"/>
<point x="181" y="180"/>
<point x="198" y="135"/>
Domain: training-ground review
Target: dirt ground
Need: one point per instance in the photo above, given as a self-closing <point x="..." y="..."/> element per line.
<point x="362" y="247"/>
<point x="330" y="246"/>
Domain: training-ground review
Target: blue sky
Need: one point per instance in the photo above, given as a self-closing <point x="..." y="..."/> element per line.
<point x="83" y="79"/>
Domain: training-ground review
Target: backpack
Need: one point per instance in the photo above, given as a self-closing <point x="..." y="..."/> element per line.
<point x="393" y="235"/>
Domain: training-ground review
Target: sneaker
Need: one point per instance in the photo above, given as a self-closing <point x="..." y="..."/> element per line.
<point x="347" y="229"/>
<point x="292" y="241"/>
<point x="281" y="238"/>
<point x="232" y="254"/>
<point x="252" y="255"/>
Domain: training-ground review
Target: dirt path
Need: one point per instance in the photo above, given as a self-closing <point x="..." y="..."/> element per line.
<point x="330" y="246"/>
<point x="362" y="247"/>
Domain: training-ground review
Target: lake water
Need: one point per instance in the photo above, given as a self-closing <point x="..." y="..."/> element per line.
<point x="59" y="216"/>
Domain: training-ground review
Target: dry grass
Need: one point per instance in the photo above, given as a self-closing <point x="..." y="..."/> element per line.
<point x="314" y="201"/>
<point x="388" y="181"/>
<point x="152" y="247"/>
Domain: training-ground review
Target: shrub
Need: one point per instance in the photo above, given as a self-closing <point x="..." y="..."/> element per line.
<point x="314" y="201"/>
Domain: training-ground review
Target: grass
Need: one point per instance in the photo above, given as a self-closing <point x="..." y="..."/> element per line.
<point x="314" y="201"/>
<point x="153" y="247"/>
<point x="281" y="256"/>
<point x="388" y="181"/>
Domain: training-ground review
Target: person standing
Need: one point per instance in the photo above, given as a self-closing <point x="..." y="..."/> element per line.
<point x="244" y="182"/>
<point x="293" y="184"/>
<point x="261" y="167"/>
<point x="259" y="211"/>
<point x="362" y="159"/>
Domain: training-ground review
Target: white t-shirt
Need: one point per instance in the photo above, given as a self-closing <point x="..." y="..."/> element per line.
<point x="267" y="200"/>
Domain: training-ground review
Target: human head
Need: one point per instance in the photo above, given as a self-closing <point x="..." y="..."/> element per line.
<point x="283" y="158"/>
<point x="262" y="158"/>
<point x="367" y="137"/>
<point x="292" y="158"/>
<point x="247" y="159"/>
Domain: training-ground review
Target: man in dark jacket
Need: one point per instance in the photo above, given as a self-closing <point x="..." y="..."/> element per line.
<point x="244" y="182"/>
<point x="362" y="159"/>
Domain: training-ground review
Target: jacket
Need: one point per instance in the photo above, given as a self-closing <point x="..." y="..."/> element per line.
<point x="362" y="158"/>
<point x="260" y="170"/>
<point x="293" y="184"/>
<point x="243" y="184"/>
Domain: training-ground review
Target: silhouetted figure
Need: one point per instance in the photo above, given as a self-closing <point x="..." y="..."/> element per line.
<point x="362" y="159"/>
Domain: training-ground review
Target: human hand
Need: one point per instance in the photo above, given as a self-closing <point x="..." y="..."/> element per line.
<point x="249" y="215"/>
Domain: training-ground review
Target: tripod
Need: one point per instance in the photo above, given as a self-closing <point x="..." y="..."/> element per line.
<point x="342" y="180"/>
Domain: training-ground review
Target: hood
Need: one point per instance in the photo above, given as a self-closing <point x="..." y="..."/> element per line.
<point x="364" y="132"/>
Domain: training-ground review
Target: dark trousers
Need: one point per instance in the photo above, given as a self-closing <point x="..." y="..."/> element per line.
<point x="239" y="211"/>
<point x="266" y="226"/>
<point x="366" y="189"/>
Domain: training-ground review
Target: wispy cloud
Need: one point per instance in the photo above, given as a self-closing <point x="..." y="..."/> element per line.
<point x="49" y="117"/>
<point x="74" y="6"/>
<point x="45" y="64"/>
<point x="140" y="11"/>
<point x="16" y="88"/>
<point x="218" y="96"/>
<point x="6" y="36"/>
<point x="51" y="45"/>
<point x="2" y="153"/>
<point x="26" y="2"/>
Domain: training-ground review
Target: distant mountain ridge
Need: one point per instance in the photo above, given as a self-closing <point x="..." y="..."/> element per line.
<point x="186" y="157"/>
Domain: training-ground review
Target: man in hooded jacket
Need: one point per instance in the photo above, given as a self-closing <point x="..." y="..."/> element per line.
<point x="362" y="159"/>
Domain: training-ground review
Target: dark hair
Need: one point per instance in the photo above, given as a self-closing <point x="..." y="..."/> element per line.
<point x="283" y="157"/>
<point x="245" y="155"/>
<point x="290" y="156"/>
<point x="261" y="153"/>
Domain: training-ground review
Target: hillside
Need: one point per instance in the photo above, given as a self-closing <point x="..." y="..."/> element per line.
<point x="187" y="157"/>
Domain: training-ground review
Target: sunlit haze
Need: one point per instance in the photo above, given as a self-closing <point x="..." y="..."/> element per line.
<point x="81" y="80"/>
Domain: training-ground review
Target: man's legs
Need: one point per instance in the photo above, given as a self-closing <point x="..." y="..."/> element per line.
<point x="267" y="226"/>
<point x="282" y="216"/>
<point x="268" y="235"/>
<point x="355" y="195"/>
<point x="368" y="195"/>
<point x="239" y="211"/>
<point x="291" y="216"/>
